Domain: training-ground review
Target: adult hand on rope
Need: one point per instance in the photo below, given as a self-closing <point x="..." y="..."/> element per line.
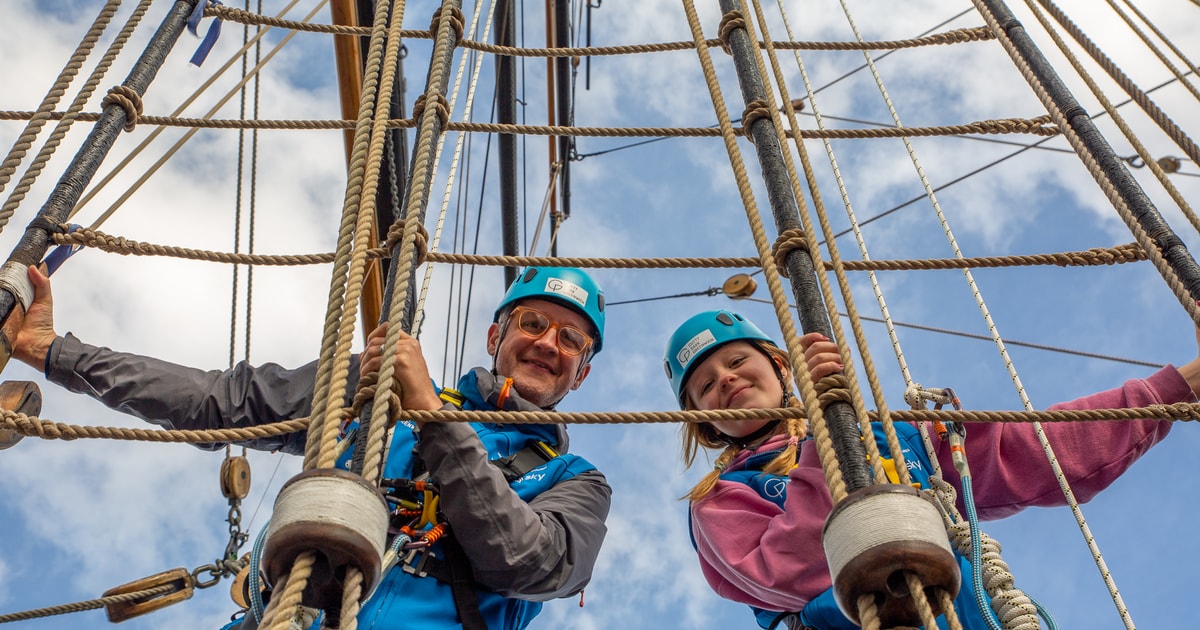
<point x="33" y="340"/>
<point x="411" y="372"/>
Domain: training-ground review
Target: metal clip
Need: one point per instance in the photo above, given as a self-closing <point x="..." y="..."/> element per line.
<point x="416" y="568"/>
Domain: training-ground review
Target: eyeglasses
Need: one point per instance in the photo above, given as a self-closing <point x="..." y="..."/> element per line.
<point x="534" y="323"/>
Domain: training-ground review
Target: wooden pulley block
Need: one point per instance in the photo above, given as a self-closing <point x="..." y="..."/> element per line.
<point x="179" y="580"/>
<point x="877" y="534"/>
<point x="235" y="477"/>
<point x="1169" y="164"/>
<point x="22" y="397"/>
<point x="739" y="286"/>
<point x="239" y="590"/>
<point x="339" y="517"/>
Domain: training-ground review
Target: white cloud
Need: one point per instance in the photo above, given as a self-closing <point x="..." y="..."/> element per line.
<point x="95" y="513"/>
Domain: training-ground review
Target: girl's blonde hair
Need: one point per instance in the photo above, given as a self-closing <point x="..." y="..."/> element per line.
<point x="697" y="435"/>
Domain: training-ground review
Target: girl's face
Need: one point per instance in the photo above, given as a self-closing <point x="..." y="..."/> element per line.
<point x="735" y="376"/>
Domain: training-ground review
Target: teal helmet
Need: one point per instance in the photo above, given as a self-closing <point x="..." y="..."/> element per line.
<point x="568" y="286"/>
<point x="701" y="334"/>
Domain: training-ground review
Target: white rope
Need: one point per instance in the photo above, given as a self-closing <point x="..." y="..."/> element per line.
<point x="1089" y="539"/>
<point x="468" y="106"/>
<point x="885" y="314"/>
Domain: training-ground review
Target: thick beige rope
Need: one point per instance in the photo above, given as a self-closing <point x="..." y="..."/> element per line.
<point x="43" y="113"/>
<point x="245" y="17"/>
<point x="91" y="604"/>
<point x="808" y="397"/>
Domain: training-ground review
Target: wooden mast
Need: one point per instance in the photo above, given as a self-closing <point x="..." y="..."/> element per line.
<point x="348" y="57"/>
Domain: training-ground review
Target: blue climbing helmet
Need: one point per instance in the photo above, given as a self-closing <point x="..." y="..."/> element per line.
<point x="568" y="286"/>
<point x="701" y="334"/>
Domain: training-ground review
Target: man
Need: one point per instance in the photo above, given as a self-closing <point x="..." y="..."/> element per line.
<point x="525" y="518"/>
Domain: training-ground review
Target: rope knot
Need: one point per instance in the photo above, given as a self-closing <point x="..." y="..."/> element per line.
<point x="755" y="111"/>
<point x="367" y="386"/>
<point x="441" y="105"/>
<point x="729" y="22"/>
<point x="129" y="100"/>
<point x="788" y="242"/>
<point x="832" y="388"/>
<point x="456" y="22"/>
<point x="421" y="241"/>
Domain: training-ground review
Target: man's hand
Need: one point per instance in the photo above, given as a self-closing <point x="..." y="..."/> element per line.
<point x="37" y="332"/>
<point x="416" y="388"/>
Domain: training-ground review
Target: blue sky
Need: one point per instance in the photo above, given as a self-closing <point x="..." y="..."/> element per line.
<point x="83" y="516"/>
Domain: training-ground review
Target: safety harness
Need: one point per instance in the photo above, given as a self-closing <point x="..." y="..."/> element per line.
<point x="415" y="504"/>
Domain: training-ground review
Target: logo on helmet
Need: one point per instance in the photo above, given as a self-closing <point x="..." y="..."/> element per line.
<point x="693" y="347"/>
<point x="568" y="290"/>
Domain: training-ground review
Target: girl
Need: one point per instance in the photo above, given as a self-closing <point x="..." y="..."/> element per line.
<point x="756" y="518"/>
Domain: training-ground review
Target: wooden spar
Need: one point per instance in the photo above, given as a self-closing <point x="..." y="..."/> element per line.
<point x="348" y="57"/>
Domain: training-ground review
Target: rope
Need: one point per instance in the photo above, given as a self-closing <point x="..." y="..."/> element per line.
<point x="1030" y="126"/>
<point x="448" y="26"/>
<point x="50" y="430"/>
<point x="829" y="463"/>
<point x="322" y="402"/>
<point x="808" y="232"/>
<point x="1141" y="98"/>
<point x="90" y="604"/>
<point x="245" y="17"/>
<point x="1179" y="74"/>
<point x="130" y="158"/>
<point x="443" y="210"/>
<point x="1095" y="256"/>
<point x="1192" y="69"/>
<point x="354" y="235"/>
<point x="38" y="118"/>
<point x="1125" y="212"/>
<point x="917" y="590"/>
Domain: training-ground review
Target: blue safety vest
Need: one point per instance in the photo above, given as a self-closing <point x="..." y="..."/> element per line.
<point x="822" y="613"/>
<point x="407" y="601"/>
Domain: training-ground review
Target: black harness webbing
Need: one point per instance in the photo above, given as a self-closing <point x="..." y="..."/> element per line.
<point x="455" y="569"/>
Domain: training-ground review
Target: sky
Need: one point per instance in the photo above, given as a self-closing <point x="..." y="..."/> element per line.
<point x="80" y="517"/>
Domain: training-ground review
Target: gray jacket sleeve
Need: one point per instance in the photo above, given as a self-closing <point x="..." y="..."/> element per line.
<point x="177" y="397"/>
<point x="539" y="550"/>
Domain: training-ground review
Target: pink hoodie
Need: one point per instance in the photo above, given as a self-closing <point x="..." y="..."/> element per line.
<point x="748" y="546"/>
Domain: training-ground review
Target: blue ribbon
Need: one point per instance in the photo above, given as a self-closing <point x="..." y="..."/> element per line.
<point x="210" y="38"/>
<point x="61" y="253"/>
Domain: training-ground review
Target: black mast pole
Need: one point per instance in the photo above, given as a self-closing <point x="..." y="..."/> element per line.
<point x="442" y="62"/>
<point x="565" y="116"/>
<point x="843" y="426"/>
<point x="506" y="114"/>
<point x="15" y="292"/>
<point x="1025" y="52"/>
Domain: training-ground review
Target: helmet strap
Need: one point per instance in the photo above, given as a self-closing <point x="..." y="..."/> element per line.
<point x="746" y="440"/>
<point x="786" y="399"/>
